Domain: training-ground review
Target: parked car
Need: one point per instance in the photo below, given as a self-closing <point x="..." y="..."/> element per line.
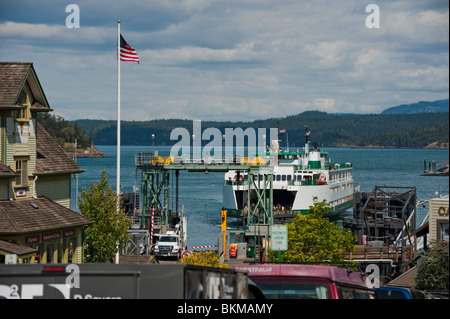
<point x="438" y="294"/>
<point x="391" y="292"/>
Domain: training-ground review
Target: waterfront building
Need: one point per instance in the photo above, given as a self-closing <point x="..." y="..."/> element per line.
<point x="36" y="222"/>
<point x="435" y="227"/>
<point x="438" y="214"/>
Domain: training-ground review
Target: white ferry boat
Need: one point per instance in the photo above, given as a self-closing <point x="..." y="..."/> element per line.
<point x="299" y="179"/>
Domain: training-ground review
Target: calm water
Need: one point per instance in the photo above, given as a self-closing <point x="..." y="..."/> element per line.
<point x="201" y="194"/>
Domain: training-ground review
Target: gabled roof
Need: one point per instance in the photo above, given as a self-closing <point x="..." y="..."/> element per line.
<point x="13" y="76"/>
<point x="32" y="215"/>
<point x="51" y="158"/>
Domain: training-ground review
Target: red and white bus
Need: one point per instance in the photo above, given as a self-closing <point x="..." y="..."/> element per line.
<point x="298" y="281"/>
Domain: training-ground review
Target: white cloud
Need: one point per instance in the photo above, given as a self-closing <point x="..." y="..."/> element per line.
<point x="27" y="32"/>
<point x="433" y="18"/>
<point x="191" y="54"/>
<point x="325" y="104"/>
<point x="331" y="54"/>
<point x="425" y="78"/>
<point x="13" y="29"/>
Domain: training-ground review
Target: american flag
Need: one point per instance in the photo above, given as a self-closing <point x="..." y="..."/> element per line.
<point x="127" y="53"/>
<point x="282" y="130"/>
<point x="308" y="133"/>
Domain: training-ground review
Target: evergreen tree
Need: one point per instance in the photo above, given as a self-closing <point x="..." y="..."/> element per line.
<point x="109" y="226"/>
<point x="62" y="131"/>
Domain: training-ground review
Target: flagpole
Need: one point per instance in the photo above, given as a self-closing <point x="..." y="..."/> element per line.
<point x="118" y="130"/>
<point x="118" y="109"/>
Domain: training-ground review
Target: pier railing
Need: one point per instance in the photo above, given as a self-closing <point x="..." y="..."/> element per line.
<point x="178" y="161"/>
<point x="384" y="252"/>
<point x="153" y="159"/>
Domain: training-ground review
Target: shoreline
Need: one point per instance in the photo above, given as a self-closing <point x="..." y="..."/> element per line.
<point x="91" y="152"/>
<point x="333" y="146"/>
<point x="443" y="146"/>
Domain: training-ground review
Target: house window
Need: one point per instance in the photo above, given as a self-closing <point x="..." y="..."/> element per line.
<point x="22" y="171"/>
<point x="23" y="115"/>
<point x="24" y="101"/>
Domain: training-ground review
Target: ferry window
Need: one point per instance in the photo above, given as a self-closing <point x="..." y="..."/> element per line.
<point x="283" y="177"/>
<point x="278" y="177"/>
<point x="289" y="177"/>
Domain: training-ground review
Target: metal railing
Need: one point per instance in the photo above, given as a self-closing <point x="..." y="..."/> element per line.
<point x="152" y="159"/>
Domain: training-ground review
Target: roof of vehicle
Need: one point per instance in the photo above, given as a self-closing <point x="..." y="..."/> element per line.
<point x="332" y="273"/>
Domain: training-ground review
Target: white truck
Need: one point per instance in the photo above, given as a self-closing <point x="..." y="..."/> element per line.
<point x="169" y="245"/>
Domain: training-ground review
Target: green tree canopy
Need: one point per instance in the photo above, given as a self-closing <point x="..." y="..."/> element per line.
<point x="313" y="238"/>
<point x="433" y="268"/>
<point x="63" y="131"/>
<point x="109" y="226"/>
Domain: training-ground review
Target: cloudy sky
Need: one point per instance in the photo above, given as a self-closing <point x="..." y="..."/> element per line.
<point x="231" y="59"/>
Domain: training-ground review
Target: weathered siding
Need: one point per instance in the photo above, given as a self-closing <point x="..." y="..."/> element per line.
<point x="4" y="189"/>
<point x="55" y="187"/>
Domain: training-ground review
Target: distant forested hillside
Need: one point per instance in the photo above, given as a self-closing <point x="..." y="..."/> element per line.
<point x="439" y="106"/>
<point x="356" y="130"/>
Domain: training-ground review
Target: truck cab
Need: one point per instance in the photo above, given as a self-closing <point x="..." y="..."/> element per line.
<point x="169" y="245"/>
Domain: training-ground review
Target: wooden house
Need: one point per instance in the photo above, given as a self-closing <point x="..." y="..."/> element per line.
<point x="35" y="175"/>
